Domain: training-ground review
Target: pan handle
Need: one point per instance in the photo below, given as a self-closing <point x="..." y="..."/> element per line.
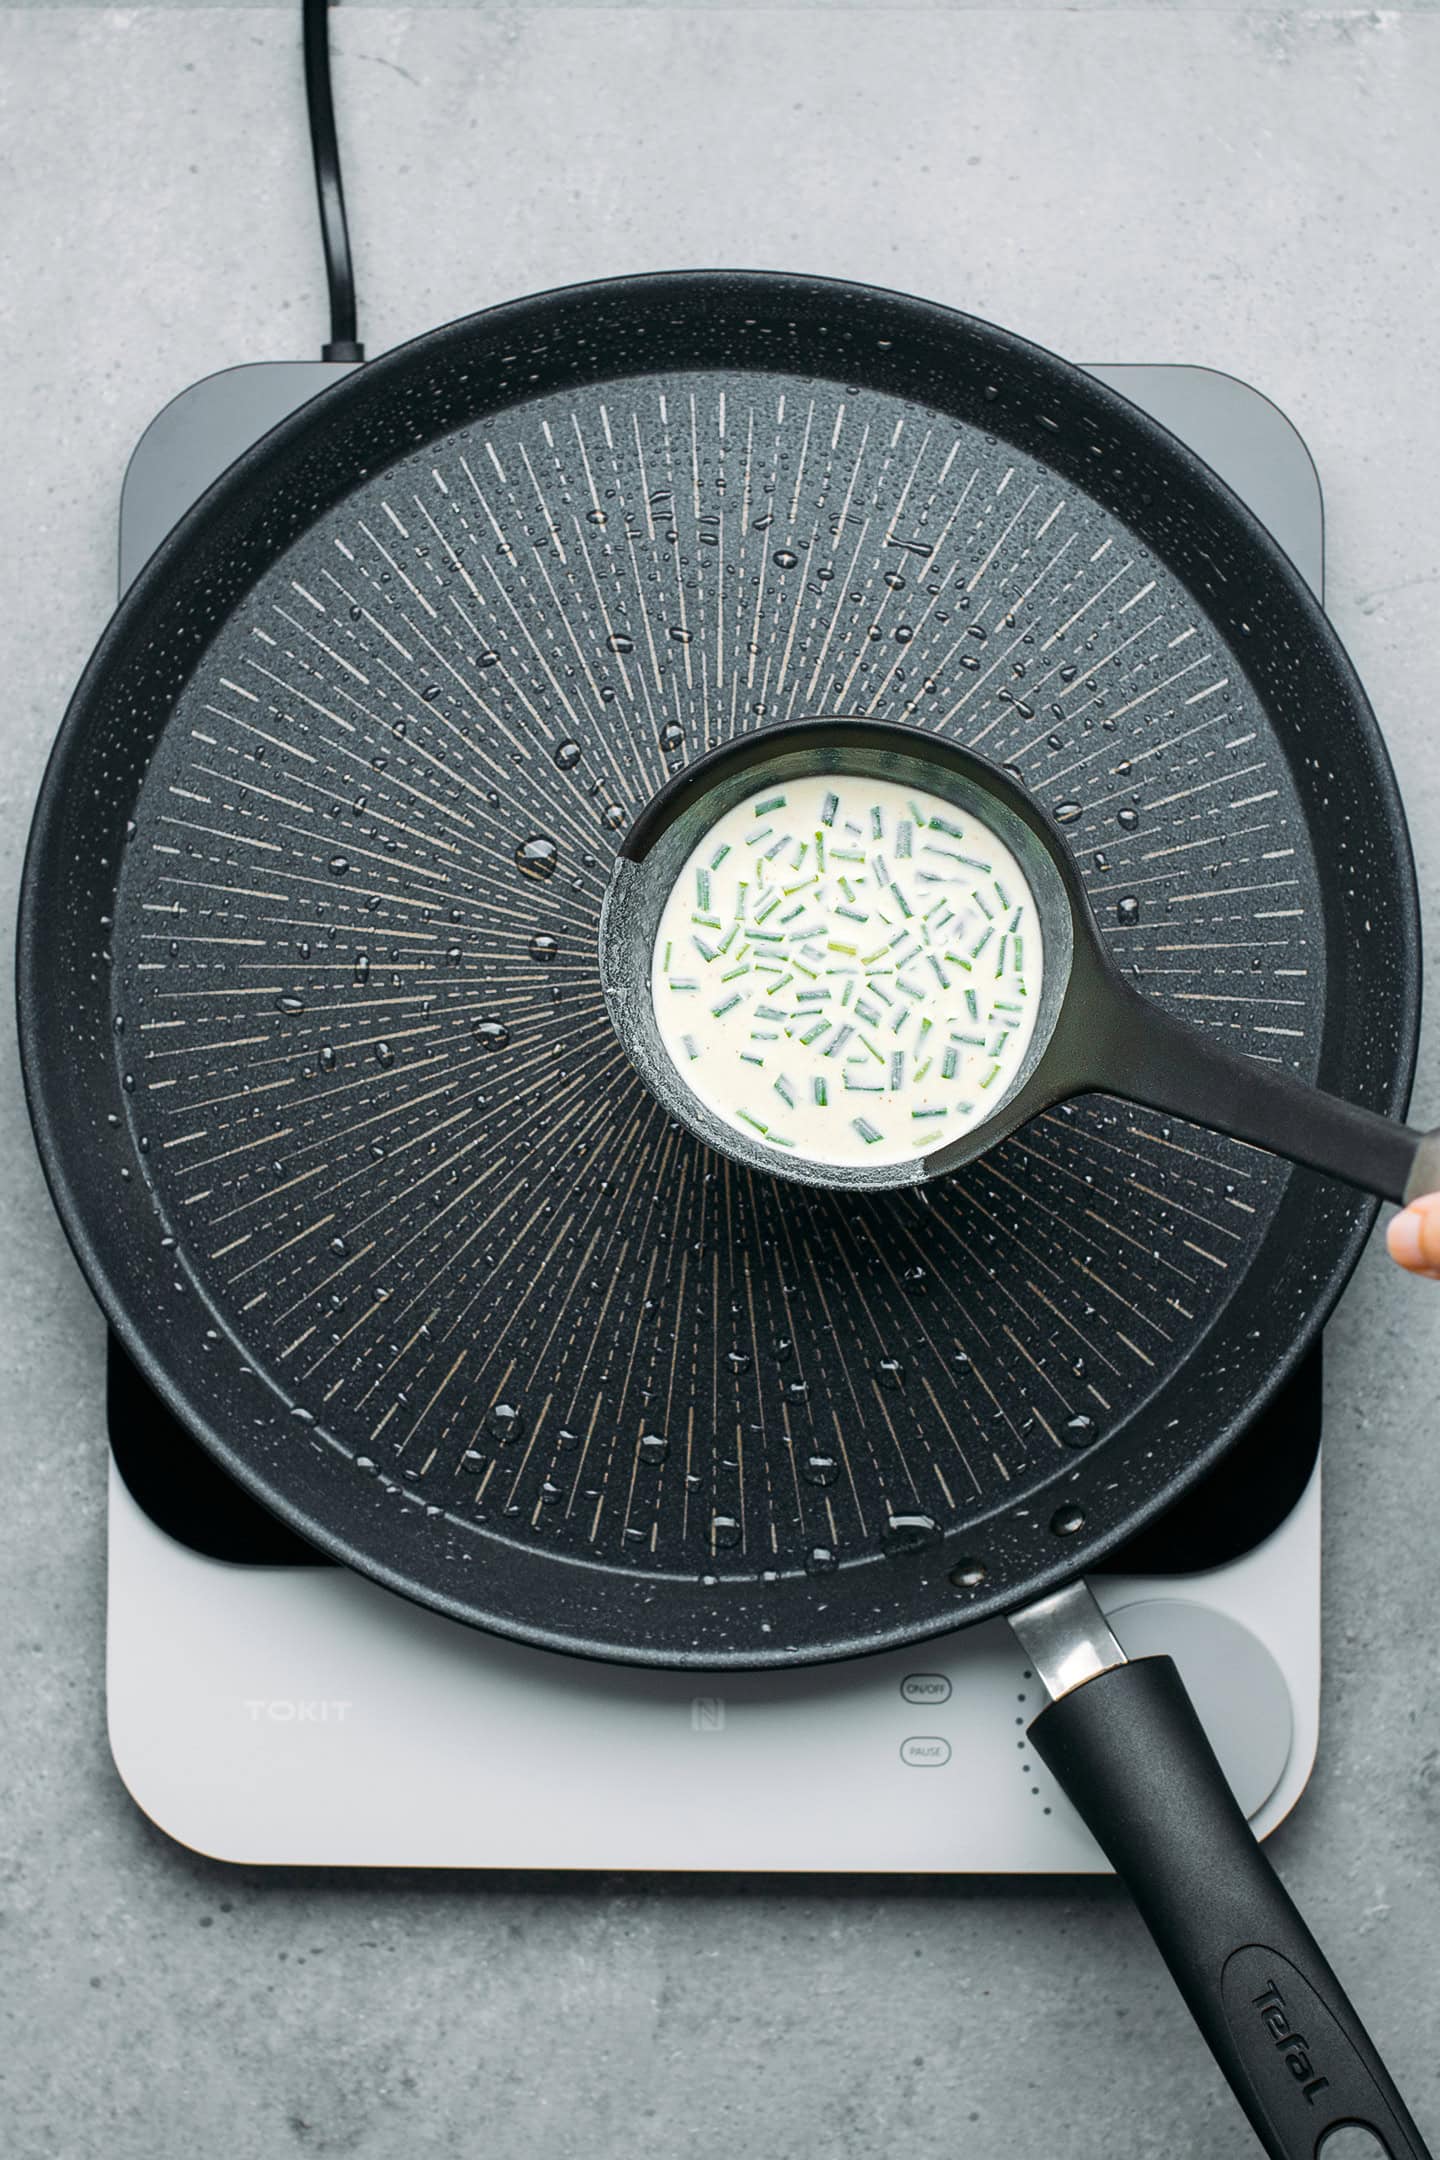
<point x="1133" y="1049"/>
<point x="1126" y="1746"/>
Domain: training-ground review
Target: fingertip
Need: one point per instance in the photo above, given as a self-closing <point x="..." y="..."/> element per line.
<point x="1405" y="1240"/>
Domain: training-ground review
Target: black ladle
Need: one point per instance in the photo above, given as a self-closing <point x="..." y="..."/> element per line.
<point x="1093" y="1034"/>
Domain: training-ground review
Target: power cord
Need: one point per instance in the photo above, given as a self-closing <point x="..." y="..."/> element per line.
<point x="334" y="231"/>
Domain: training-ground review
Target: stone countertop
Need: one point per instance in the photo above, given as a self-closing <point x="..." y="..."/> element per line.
<point x="1251" y="190"/>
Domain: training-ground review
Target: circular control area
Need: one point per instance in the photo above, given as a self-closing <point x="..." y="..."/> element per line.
<point x="1238" y="1690"/>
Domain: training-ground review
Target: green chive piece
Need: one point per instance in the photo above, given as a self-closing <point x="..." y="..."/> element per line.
<point x="820" y="1092"/>
<point x="771" y="802"/>
<point x="868" y="1133"/>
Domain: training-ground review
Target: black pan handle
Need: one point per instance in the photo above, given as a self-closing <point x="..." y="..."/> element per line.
<point x="1132" y="1755"/>
<point x="1136" y="1050"/>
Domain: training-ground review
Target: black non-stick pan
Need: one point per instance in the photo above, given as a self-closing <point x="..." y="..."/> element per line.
<point x="334" y="1113"/>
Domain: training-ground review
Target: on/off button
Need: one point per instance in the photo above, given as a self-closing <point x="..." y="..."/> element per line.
<point x="925" y="1751"/>
<point x="925" y="1687"/>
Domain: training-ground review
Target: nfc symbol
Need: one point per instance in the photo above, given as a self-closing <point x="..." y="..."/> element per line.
<point x="707" y="1713"/>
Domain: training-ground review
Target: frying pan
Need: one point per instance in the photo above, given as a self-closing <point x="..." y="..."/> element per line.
<point x="1092" y="1031"/>
<point x="332" y="1110"/>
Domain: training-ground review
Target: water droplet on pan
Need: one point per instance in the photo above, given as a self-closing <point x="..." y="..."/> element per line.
<point x="537" y="856"/>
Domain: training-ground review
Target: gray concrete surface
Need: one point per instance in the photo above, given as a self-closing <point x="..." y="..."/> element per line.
<point x="1254" y="190"/>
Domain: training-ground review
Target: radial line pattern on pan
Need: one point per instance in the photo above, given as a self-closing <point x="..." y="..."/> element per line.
<point x="365" y="1050"/>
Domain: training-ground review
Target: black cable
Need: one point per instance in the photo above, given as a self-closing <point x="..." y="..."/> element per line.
<point x="334" y="232"/>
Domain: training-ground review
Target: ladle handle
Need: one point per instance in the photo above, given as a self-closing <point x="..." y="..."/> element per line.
<point x="1141" y="1053"/>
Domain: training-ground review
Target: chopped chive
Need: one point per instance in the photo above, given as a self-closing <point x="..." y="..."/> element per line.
<point x="820" y="1092"/>
<point x="752" y="1121"/>
<point x="784" y="1090"/>
<point x="897" y="1068"/>
<point x="939" y="973"/>
<point x="702" y="888"/>
<point x="949" y="1064"/>
<point x="989" y="1076"/>
<point x="719" y="856"/>
<point x="828" y="809"/>
<point x="692" y="1048"/>
<point x="754" y="839"/>
<point x="813" y="1034"/>
<point x="981" y="942"/>
<point x="868" y="1133"/>
<point x="731" y="974"/>
<point x="727" y="1005"/>
<point x="771" y="802"/>
<point x="972" y="1004"/>
<point x="928" y="1113"/>
<point x="904" y="834"/>
<point x="842" y="1036"/>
